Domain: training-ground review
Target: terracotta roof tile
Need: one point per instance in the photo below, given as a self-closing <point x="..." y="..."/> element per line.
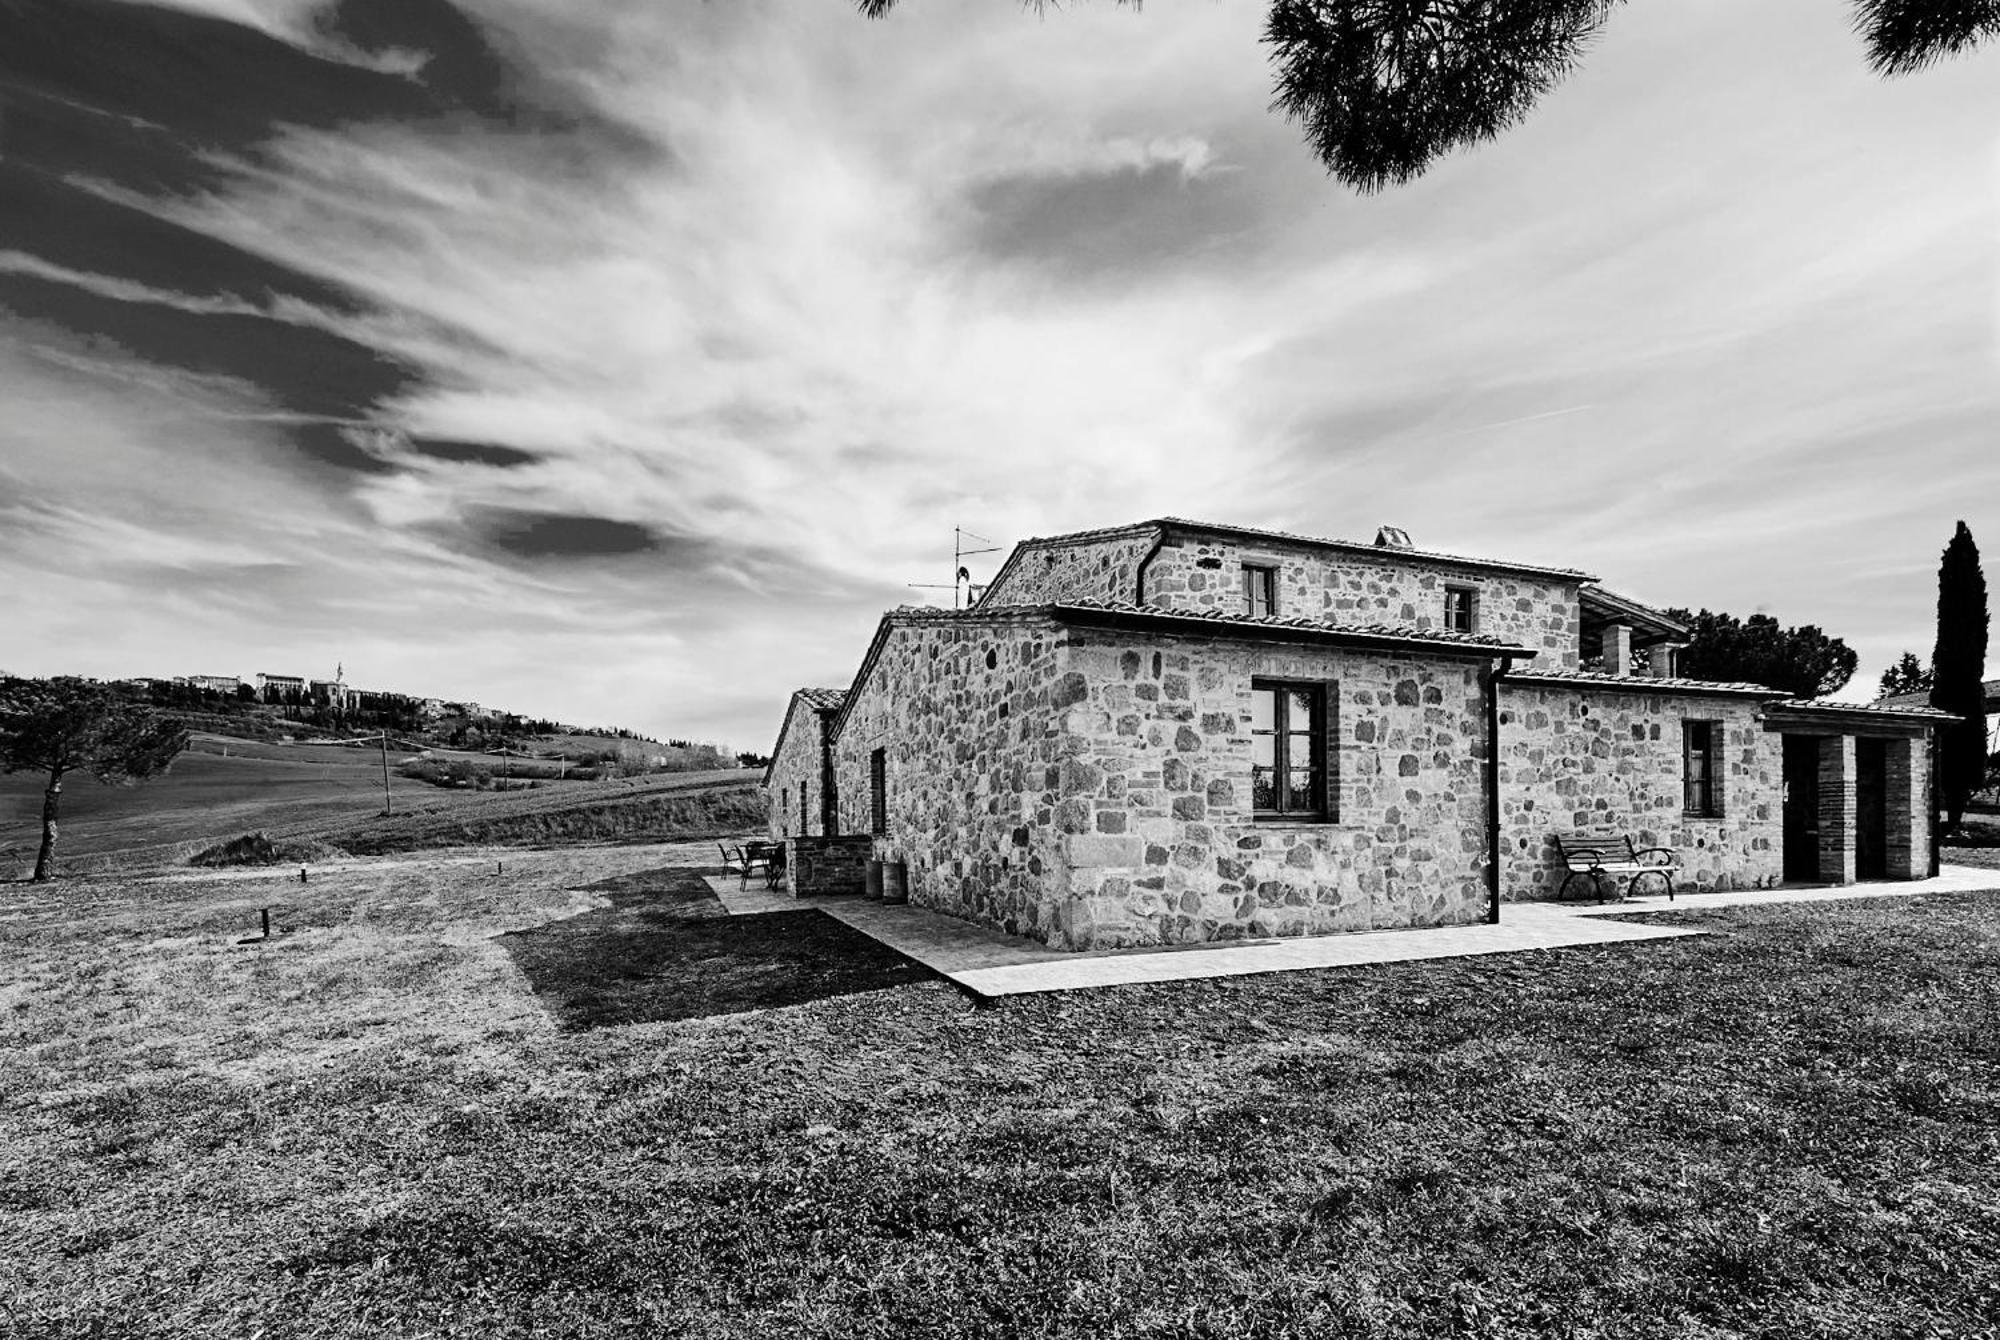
<point x="1597" y="679"/>
<point x="1230" y="618"/>
<point x="823" y="700"/>
<point x="1877" y="709"/>
<point x="1244" y="619"/>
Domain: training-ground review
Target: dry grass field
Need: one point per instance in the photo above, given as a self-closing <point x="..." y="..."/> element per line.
<point x="564" y="1096"/>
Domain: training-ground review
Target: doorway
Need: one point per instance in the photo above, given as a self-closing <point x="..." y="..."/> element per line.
<point x="1871" y="809"/>
<point x="1801" y="809"/>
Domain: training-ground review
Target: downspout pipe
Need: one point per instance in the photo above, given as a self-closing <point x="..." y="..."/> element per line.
<point x="1159" y="543"/>
<point x="1494" y="674"/>
<point x="829" y="794"/>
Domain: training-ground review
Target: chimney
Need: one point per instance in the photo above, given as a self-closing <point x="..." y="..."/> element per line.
<point x="1392" y="537"/>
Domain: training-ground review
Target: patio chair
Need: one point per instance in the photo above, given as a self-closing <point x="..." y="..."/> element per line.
<point x="757" y="858"/>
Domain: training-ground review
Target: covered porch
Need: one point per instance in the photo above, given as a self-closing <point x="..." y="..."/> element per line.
<point x="1856" y="797"/>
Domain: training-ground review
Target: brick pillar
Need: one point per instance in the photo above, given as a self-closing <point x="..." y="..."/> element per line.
<point x="1907" y="785"/>
<point x="1615" y="644"/>
<point x="1660" y="660"/>
<point x="1836" y="809"/>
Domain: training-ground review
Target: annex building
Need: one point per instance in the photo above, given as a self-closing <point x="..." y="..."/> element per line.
<point x="1175" y="731"/>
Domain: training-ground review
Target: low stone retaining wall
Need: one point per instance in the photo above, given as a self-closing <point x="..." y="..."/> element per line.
<point x="816" y="867"/>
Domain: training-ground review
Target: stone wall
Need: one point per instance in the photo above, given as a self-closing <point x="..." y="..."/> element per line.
<point x="1588" y="760"/>
<point x="1541" y="613"/>
<point x="1105" y="569"/>
<point x="818" y="867"/>
<point x="960" y="706"/>
<point x="1156" y="840"/>
<point x="795" y="765"/>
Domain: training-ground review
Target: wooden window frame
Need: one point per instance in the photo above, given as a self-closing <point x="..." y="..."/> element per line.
<point x="1701" y="795"/>
<point x="1322" y="808"/>
<point x="1264" y="576"/>
<point x="878" y="792"/>
<point x="1469" y="595"/>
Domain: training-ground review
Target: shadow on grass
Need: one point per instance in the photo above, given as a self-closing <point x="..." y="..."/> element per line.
<point x="666" y="949"/>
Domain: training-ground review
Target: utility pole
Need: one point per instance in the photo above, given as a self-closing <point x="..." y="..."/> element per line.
<point x="961" y="576"/>
<point x="388" y="805"/>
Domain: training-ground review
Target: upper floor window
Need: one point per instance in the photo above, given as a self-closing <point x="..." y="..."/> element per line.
<point x="1260" y="589"/>
<point x="1699" y="741"/>
<point x="1288" y="750"/>
<point x="1460" y="609"/>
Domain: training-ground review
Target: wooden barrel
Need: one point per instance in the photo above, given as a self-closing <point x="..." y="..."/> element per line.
<point x="895" y="882"/>
<point x="874" y="889"/>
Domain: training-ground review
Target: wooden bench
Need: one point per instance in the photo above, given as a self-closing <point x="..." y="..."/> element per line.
<point x="1596" y="860"/>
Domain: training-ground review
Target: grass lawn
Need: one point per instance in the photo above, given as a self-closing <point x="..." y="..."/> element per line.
<point x="450" y="1100"/>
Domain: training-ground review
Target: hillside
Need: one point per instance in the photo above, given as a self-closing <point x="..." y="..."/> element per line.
<point x="222" y="788"/>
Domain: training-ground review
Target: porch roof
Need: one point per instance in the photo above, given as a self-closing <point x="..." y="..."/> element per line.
<point x="1598" y="608"/>
<point x="1991" y="688"/>
<point x="1597" y="679"/>
<point x="1851" y="718"/>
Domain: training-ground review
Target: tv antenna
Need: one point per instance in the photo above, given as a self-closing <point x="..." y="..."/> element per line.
<point x="960" y="574"/>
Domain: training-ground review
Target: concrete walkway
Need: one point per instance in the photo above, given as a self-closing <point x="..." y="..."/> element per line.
<point x="989" y="963"/>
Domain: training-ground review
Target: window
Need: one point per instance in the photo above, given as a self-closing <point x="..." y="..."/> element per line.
<point x="1698" y="741"/>
<point x="878" y="791"/>
<point x="1288" y="750"/>
<point x="1459" y="604"/>
<point x="1260" y="589"/>
<point x="804" y="828"/>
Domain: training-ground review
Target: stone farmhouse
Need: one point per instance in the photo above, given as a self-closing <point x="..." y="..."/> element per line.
<point x="1174" y="732"/>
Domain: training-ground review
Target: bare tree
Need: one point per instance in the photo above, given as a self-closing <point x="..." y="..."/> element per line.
<point x="64" y="725"/>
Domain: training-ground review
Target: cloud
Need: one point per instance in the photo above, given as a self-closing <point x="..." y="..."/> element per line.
<point x="473" y="453"/>
<point x="1124" y="215"/>
<point x="552" y="535"/>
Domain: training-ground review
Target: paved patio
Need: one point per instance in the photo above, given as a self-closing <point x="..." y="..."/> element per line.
<point x="989" y="963"/>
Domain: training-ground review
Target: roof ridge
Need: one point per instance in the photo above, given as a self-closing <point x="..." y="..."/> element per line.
<point x="1282" y="621"/>
<point x="1364" y="546"/>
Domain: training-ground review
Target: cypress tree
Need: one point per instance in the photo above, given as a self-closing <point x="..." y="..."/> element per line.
<point x="1959" y="665"/>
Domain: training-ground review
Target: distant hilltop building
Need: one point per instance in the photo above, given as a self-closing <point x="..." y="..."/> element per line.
<point x="332" y="693"/>
<point x="299" y="690"/>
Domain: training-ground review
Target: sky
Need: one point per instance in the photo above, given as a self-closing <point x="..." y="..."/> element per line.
<point x="621" y="362"/>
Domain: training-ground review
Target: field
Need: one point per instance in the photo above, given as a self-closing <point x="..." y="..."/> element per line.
<point x="562" y="1096"/>
<point x="224" y="787"/>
